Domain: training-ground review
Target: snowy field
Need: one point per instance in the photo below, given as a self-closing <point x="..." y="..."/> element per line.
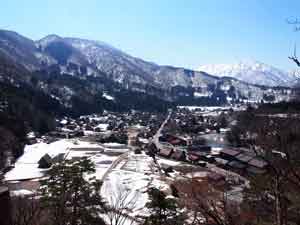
<point x="125" y="175"/>
<point x="129" y="181"/>
<point x="26" y="167"/>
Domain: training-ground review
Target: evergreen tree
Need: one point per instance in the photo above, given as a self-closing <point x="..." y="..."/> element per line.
<point x="71" y="195"/>
<point x="163" y="210"/>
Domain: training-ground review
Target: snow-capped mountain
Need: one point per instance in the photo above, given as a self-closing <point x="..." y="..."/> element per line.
<point x="253" y="72"/>
<point x="86" y="59"/>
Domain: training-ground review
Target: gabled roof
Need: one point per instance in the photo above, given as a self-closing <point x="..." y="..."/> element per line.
<point x="244" y="157"/>
<point x="230" y="152"/>
<point x="259" y="163"/>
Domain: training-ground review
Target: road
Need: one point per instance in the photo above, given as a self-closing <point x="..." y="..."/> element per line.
<point x="155" y="139"/>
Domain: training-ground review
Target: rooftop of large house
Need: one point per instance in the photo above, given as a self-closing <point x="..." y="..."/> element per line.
<point x="244" y="157"/>
<point x="257" y="163"/>
<point x="88" y="149"/>
<point x="166" y="152"/>
<point x="237" y="165"/>
<point x="178" y="155"/>
<point x="230" y="152"/>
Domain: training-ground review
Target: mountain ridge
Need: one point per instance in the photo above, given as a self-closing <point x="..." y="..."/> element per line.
<point x="83" y="58"/>
<point x="253" y="72"/>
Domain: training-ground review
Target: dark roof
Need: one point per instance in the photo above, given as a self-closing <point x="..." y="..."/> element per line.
<point x="230" y="152"/>
<point x="198" y="153"/>
<point x="237" y="165"/>
<point x="178" y="155"/>
<point x="166" y="151"/>
<point x="215" y="176"/>
<point x="45" y="161"/>
<point x="199" y="148"/>
<point x="193" y="157"/>
<point x="244" y="157"/>
<point x="46" y="157"/>
<point x="221" y="161"/>
<point x="257" y="163"/>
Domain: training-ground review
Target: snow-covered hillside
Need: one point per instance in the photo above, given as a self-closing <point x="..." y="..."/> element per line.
<point x="89" y="59"/>
<point x="253" y="72"/>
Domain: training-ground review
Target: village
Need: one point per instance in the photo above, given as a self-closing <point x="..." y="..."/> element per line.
<point x="135" y="151"/>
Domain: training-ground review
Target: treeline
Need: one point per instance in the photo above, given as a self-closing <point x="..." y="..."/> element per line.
<point x="280" y="107"/>
<point x="87" y="95"/>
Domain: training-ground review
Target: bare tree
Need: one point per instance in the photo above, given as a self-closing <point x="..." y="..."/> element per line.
<point x="121" y="203"/>
<point x="208" y="205"/>
<point x="295" y="22"/>
<point x="294" y="57"/>
<point x="276" y="142"/>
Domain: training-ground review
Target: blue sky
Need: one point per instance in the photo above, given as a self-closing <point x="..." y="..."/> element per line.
<point x="184" y="33"/>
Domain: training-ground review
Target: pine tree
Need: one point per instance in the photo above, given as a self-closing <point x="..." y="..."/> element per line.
<point x="163" y="210"/>
<point x="71" y="195"/>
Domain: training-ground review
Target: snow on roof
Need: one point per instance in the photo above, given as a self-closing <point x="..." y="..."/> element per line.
<point x="102" y="126"/>
<point x="31" y="135"/>
<point x="64" y="122"/>
<point x="112" y="144"/>
<point x="197" y="174"/>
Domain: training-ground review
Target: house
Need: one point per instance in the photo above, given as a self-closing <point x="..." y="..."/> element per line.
<point x="193" y="157"/>
<point x="257" y="166"/>
<point x="45" y="162"/>
<point x="175" y="141"/>
<point x="221" y="162"/>
<point x="179" y="155"/>
<point x="229" y="154"/>
<point x="258" y="163"/>
<point x="209" y="158"/>
<point x="202" y="148"/>
<point x="216" y="177"/>
<point x="237" y="165"/>
<point x="244" y="158"/>
<point x="166" y="152"/>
